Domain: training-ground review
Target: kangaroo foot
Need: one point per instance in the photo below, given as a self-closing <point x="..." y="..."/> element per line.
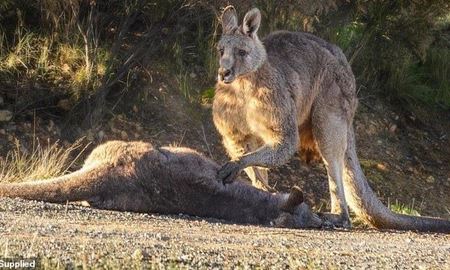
<point x="336" y="220"/>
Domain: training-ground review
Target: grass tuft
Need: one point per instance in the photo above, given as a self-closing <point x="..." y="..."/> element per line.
<point x="401" y="208"/>
<point x="185" y="85"/>
<point x="41" y="162"/>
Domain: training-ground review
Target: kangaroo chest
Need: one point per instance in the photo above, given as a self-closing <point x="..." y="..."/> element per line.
<point x="240" y="112"/>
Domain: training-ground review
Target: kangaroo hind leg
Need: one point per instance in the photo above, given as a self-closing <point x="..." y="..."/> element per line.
<point x="330" y="132"/>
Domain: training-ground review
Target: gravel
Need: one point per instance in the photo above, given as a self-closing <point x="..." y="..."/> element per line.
<point x="73" y="236"/>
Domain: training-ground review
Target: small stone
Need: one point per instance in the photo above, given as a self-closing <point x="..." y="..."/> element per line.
<point x="430" y="179"/>
<point x="393" y="128"/>
<point x="51" y="125"/>
<point x="165" y="238"/>
<point x="101" y="135"/>
<point x="138" y="255"/>
<point x="381" y="167"/>
<point x="184" y="258"/>
<point x="124" y="135"/>
<point x="90" y="136"/>
<point x="64" y="104"/>
<point x="422" y="266"/>
<point x="5" y="115"/>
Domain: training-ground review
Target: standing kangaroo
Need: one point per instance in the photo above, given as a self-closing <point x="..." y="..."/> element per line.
<point x="134" y="176"/>
<point x="294" y="91"/>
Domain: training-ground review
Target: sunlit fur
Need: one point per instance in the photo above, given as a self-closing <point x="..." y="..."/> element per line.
<point x="297" y="93"/>
<point x="135" y="176"/>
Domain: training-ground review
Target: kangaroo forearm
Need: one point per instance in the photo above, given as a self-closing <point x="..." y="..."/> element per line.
<point x="269" y="156"/>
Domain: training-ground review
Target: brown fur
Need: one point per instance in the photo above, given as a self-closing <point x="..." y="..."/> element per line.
<point x="308" y="145"/>
<point x="135" y="176"/>
<point x="288" y="92"/>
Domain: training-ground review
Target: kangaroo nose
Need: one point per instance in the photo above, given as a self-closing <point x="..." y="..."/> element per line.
<point x="224" y="72"/>
<point x="226" y="75"/>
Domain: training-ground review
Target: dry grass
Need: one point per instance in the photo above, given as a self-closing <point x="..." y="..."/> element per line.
<point x="41" y="162"/>
<point x="59" y="64"/>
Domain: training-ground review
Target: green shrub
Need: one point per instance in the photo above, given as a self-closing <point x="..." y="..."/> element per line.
<point x="400" y="208"/>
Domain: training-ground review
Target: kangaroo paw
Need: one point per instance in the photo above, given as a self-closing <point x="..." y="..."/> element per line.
<point x="228" y="173"/>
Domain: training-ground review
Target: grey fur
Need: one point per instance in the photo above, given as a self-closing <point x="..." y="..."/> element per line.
<point x="135" y="176"/>
<point x="294" y="91"/>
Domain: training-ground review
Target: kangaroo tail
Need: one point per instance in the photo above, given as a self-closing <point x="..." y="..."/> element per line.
<point x="364" y="202"/>
<point x="77" y="186"/>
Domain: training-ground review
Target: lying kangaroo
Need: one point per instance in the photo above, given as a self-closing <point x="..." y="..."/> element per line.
<point x="294" y="90"/>
<point x="134" y="176"/>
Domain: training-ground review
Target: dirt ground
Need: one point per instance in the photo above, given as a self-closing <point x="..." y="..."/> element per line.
<point x="76" y="237"/>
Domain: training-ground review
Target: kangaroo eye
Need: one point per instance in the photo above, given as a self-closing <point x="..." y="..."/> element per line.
<point x="221" y="52"/>
<point x="242" y="52"/>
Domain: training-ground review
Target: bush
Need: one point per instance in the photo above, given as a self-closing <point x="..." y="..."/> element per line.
<point x="86" y="50"/>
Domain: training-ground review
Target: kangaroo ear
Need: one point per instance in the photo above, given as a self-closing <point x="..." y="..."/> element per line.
<point x="295" y="198"/>
<point x="229" y="20"/>
<point x="251" y="23"/>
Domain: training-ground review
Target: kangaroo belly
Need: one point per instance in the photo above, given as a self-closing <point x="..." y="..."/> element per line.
<point x="308" y="149"/>
<point x="132" y="201"/>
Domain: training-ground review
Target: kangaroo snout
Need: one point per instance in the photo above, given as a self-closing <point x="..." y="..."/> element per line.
<point x="225" y="75"/>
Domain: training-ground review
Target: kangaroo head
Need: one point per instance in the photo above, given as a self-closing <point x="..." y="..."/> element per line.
<point x="241" y="52"/>
<point x="296" y="213"/>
